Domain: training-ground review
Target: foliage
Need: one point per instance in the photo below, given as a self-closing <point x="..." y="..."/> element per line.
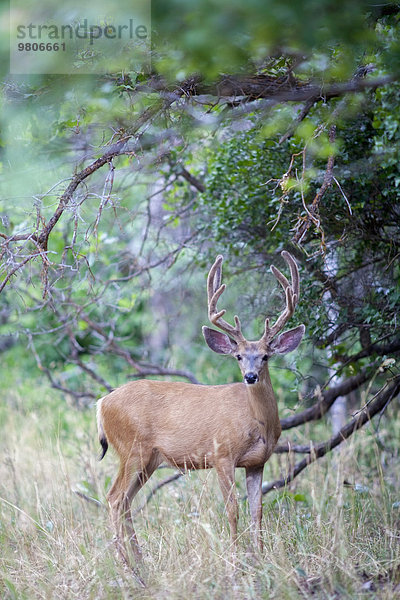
<point x="262" y="126"/>
<point x="251" y="206"/>
<point x="245" y="33"/>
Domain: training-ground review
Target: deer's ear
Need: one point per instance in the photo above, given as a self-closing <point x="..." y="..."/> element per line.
<point x="288" y="341"/>
<point x="219" y="342"/>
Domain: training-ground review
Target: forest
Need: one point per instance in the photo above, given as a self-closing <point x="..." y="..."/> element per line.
<point x="237" y="129"/>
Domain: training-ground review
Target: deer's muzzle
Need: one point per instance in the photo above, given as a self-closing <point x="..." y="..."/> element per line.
<point x="251" y="378"/>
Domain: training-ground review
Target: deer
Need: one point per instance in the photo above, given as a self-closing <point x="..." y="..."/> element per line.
<point x="192" y="426"/>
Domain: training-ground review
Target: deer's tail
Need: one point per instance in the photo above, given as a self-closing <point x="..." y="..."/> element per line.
<point x="102" y="436"/>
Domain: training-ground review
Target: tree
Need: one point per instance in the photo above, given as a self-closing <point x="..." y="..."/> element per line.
<point x="282" y="133"/>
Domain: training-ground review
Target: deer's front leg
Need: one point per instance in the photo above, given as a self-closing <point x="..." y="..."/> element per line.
<point x="254" y="493"/>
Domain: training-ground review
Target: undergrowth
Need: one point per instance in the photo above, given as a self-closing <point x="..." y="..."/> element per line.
<point x="334" y="533"/>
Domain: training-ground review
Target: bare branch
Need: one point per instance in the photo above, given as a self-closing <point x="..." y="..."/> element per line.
<point x="327" y="398"/>
<point x="288" y="447"/>
<point x="312" y="216"/>
<point x="17" y="268"/>
<point x="127" y="145"/>
<point x="249" y="88"/>
<point x="156" y="370"/>
<point x="383" y="398"/>
<point x="196" y="183"/>
<point x="156" y="488"/>
<point x="375" y="348"/>
<point x="300" y="117"/>
<point x="89" y="499"/>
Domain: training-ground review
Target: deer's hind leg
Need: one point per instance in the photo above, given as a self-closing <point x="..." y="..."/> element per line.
<point x="226" y="477"/>
<point x="132" y="476"/>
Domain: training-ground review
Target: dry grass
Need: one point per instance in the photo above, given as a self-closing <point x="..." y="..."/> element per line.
<point x="322" y="539"/>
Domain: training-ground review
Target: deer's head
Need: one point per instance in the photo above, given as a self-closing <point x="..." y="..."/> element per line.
<point x="253" y="357"/>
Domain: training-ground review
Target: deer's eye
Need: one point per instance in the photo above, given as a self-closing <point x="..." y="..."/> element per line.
<point x="238" y="357"/>
<point x="265" y="357"/>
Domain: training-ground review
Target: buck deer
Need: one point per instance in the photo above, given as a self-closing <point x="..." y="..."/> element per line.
<point x="192" y="426"/>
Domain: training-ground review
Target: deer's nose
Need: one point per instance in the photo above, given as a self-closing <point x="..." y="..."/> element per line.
<point x="251" y="378"/>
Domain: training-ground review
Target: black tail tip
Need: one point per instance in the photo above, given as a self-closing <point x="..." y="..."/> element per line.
<point x="104" y="446"/>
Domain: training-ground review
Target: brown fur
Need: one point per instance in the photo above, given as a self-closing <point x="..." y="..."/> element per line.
<point x="189" y="427"/>
<point x="197" y="426"/>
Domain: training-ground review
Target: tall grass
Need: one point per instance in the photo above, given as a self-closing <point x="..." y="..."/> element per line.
<point x="323" y="538"/>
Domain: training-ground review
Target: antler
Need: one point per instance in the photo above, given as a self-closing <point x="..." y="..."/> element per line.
<point x="292" y="292"/>
<point x="214" y="292"/>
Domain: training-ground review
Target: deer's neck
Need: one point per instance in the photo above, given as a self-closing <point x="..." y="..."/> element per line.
<point x="263" y="404"/>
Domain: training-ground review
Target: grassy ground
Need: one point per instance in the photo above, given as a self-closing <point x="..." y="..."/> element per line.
<point x="323" y="539"/>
